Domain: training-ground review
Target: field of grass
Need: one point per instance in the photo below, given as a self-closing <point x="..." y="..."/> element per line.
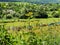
<point x="31" y="33"/>
<point x="27" y="22"/>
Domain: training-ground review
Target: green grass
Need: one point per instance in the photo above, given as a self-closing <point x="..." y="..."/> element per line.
<point x="29" y="21"/>
<point x="47" y="35"/>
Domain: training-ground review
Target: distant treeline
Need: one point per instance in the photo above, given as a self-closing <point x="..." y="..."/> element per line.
<point x="21" y="10"/>
<point x="33" y="1"/>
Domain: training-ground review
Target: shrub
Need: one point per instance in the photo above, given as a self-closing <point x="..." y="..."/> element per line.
<point x="42" y="15"/>
<point x="9" y="16"/>
<point x="56" y="15"/>
<point x="16" y="15"/>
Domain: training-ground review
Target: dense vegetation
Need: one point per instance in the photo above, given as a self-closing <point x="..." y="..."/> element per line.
<point x="29" y="33"/>
<point x="20" y="10"/>
<point x="19" y="24"/>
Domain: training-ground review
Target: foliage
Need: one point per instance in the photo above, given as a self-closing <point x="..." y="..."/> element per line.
<point x="5" y="37"/>
<point x="21" y="10"/>
<point x="31" y="32"/>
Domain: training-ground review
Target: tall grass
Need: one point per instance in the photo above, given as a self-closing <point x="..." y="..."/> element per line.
<point x="31" y="34"/>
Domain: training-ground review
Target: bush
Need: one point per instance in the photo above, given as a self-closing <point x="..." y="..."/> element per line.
<point x="56" y="15"/>
<point x="9" y="16"/>
<point x="42" y="15"/>
<point x="16" y="15"/>
<point x="28" y="10"/>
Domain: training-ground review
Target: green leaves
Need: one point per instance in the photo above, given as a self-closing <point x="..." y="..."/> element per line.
<point x="27" y="10"/>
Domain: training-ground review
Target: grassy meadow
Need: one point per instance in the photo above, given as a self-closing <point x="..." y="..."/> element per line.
<point x="29" y="32"/>
<point x="23" y="23"/>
